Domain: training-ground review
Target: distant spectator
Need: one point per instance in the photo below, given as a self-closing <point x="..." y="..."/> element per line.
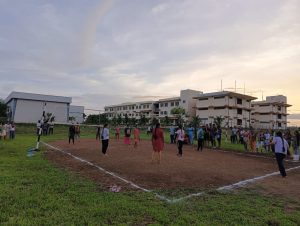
<point x="157" y="142"/>
<point x="12" y="131"/>
<point x="281" y="148"/>
<point x="71" y="133"/>
<point x="105" y="139"/>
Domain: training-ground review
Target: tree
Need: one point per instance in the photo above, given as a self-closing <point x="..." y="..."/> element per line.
<point x="119" y="119"/>
<point x="126" y="119"/>
<point x="179" y="113"/>
<point x="114" y="121"/>
<point x="143" y="120"/>
<point x="218" y="121"/>
<point x="154" y="121"/>
<point x="195" y="123"/>
<point x="166" y="121"/>
<point x="3" y="110"/>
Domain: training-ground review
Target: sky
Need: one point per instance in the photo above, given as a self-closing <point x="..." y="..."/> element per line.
<point x="103" y="52"/>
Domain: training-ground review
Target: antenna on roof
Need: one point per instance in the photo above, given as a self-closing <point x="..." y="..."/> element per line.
<point x="221" y="85"/>
<point x="235" y="86"/>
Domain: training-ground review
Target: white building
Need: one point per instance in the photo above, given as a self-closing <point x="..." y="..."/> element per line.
<point x="270" y="113"/>
<point x="185" y="100"/>
<point x="234" y="108"/>
<point x="158" y="109"/>
<point x="28" y="107"/>
<point x="135" y="110"/>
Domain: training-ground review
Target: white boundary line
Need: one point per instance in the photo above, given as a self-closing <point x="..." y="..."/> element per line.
<point x="174" y="200"/>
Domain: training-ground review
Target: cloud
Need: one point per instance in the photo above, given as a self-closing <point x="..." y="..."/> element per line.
<point x="124" y="50"/>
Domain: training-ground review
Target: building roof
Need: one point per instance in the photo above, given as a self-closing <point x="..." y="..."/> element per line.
<point x="169" y="99"/>
<point x="37" y="97"/>
<point x="130" y="103"/>
<point x="224" y="93"/>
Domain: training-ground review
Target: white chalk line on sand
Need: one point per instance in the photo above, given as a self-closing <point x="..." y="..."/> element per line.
<point x="175" y="200"/>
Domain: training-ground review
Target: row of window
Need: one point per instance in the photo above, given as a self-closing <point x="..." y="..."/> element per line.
<point x="172" y="104"/>
<point x="129" y="115"/>
<point x="130" y="107"/>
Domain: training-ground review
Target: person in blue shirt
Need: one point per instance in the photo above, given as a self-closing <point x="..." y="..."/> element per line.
<point x="200" y="136"/>
<point x="172" y="135"/>
<point x="190" y="132"/>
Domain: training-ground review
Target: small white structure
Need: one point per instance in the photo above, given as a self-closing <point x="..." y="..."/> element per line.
<point x="28" y="107"/>
<point x="76" y="113"/>
<point x="270" y="113"/>
<point x="234" y="108"/>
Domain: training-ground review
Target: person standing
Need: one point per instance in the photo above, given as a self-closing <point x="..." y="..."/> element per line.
<point x="105" y="139"/>
<point x="12" y="131"/>
<point x="71" y="133"/>
<point x="117" y="133"/>
<point x="219" y="136"/>
<point x="51" y="127"/>
<point x="180" y="140"/>
<point x="98" y="131"/>
<point x="200" y="136"/>
<point x="136" y="136"/>
<point x="281" y="148"/>
<point x="77" y="132"/>
<point x="127" y="134"/>
<point x="157" y="142"/>
<point x="172" y="135"/>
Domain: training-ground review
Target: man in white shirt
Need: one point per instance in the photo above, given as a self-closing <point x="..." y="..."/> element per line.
<point x="281" y="148"/>
<point x="105" y="139"/>
<point x="180" y="139"/>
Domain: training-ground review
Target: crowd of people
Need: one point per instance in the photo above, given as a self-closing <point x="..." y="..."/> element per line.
<point x="47" y="128"/>
<point x="209" y="136"/>
<point x="7" y="131"/>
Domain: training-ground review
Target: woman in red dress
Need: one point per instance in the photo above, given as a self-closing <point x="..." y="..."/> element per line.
<point x="157" y="142"/>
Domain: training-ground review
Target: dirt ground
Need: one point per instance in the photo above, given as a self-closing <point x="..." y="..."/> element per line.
<point x="204" y="170"/>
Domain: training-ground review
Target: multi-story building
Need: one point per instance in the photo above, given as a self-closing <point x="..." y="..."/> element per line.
<point x="270" y="113"/>
<point x="233" y="108"/>
<point x="159" y="109"/>
<point x="133" y="110"/>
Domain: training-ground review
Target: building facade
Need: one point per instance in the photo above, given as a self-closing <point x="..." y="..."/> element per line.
<point x="233" y="108"/>
<point x="76" y="113"/>
<point x="270" y="113"/>
<point x="29" y="107"/>
<point x="159" y="109"/>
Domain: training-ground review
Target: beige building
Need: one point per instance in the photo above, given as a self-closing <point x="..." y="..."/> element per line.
<point x="270" y="113"/>
<point x="158" y="109"/>
<point x="234" y="108"/>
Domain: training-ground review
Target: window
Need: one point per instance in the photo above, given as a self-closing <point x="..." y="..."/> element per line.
<point x="177" y="103"/>
<point x="203" y="99"/>
<point x="166" y="104"/>
<point x="279" y="116"/>
<point x="165" y="112"/>
<point x="239" y="101"/>
<point x="161" y="104"/>
<point x="172" y="104"/>
<point x="161" y="113"/>
<point x="222" y="97"/>
<point x="239" y="111"/>
<point x="279" y="108"/>
<point x="279" y="124"/>
<point x="140" y="107"/>
<point x="216" y="108"/>
<point x="239" y="122"/>
<point x="202" y="109"/>
<point x="144" y="106"/>
<point x="183" y="101"/>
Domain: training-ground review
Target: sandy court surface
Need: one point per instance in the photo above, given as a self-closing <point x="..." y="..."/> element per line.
<point x="204" y="170"/>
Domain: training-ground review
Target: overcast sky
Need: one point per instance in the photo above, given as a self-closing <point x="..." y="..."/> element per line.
<point x="108" y="52"/>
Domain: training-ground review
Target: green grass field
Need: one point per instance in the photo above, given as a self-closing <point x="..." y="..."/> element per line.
<point x="35" y="192"/>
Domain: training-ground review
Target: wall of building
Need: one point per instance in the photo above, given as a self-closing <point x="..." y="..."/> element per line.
<point x="29" y="111"/>
<point x="77" y="113"/>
